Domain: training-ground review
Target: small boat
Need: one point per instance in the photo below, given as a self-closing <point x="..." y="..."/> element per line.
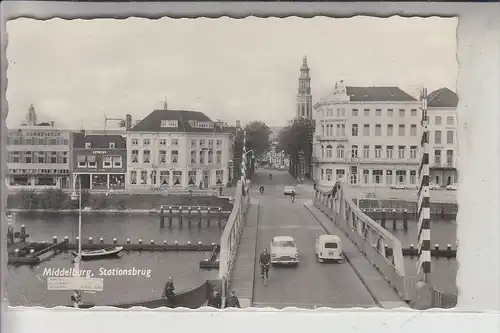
<point x="101" y="253"/>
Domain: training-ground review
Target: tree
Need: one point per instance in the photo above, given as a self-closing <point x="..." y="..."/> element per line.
<point x="257" y="137"/>
<point x="296" y="141"/>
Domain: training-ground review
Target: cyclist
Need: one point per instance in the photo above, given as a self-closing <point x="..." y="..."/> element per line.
<point x="265" y="261"/>
<point x="261" y="189"/>
<point x="292" y="195"/>
<point x="270" y="176"/>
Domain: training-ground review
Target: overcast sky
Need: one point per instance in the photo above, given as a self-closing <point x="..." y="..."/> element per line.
<point x="247" y="69"/>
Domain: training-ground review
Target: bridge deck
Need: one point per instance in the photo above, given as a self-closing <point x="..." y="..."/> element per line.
<point x="310" y="284"/>
<point x="386" y="296"/>
<point x="242" y="279"/>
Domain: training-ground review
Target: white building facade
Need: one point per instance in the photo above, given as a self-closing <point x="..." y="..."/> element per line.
<point x="367" y="136"/>
<point x="442" y="112"/>
<point x="177" y="149"/>
<point x="38" y="158"/>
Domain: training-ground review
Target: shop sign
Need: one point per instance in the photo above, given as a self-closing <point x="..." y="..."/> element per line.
<point x="36" y="134"/>
<point x="99" y="152"/>
<point x="39" y="171"/>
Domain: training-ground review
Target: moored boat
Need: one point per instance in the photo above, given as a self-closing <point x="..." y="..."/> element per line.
<point x="101" y="253"/>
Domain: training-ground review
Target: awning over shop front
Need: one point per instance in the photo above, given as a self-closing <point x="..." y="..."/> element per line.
<point x="40" y="172"/>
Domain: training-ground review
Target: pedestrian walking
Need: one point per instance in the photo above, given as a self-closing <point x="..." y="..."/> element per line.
<point x="232" y="301"/>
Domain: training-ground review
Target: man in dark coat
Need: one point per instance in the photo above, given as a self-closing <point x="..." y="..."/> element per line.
<point x="216" y="299"/>
<point x="168" y="291"/>
<point x="232" y="301"/>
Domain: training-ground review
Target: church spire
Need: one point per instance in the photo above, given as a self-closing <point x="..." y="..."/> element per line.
<point x="165" y="105"/>
<point x="304" y="97"/>
<point x="31" y="117"/>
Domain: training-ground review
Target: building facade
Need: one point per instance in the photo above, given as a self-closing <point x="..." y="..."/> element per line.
<point x="367" y="136"/>
<point x="100" y="161"/>
<point x="442" y="113"/>
<point x="277" y="158"/>
<point x="38" y="157"/>
<point x="177" y="149"/>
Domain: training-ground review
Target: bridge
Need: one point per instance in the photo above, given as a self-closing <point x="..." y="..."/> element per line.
<point x="371" y="275"/>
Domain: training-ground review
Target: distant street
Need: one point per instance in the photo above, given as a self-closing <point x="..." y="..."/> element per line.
<point x="311" y="284"/>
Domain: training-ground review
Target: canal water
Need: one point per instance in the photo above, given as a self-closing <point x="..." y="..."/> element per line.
<point x="27" y="286"/>
<point x="443" y="270"/>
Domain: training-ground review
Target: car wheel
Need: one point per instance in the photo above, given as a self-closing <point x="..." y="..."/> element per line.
<point x="320" y="260"/>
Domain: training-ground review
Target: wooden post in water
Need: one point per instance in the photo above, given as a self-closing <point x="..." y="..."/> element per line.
<point x="394" y="221"/>
<point x="199" y="217"/>
<point x="220" y="217"/>
<point x="162" y="218"/>
<point x="405" y="220"/>
<point x="208" y="216"/>
<point x="180" y="216"/>
<point x="189" y="217"/>
<point x="382" y="220"/>
<point x="170" y="216"/>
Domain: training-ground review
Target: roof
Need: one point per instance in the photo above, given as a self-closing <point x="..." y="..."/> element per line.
<point x="283" y="238"/>
<point x="326" y="238"/>
<point x="152" y="122"/>
<point x="99" y="141"/>
<point x="377" y="94"/>
<point x="442" y="98"/>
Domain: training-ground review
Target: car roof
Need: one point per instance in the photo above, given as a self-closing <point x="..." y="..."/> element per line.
<point x="326" y="238"/>
<point x="283" y="238"/>
<point x="289" y="186"/>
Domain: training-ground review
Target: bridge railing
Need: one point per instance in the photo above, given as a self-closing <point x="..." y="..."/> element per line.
<point x="370" y="238"/>
<point x="231" y="235"/>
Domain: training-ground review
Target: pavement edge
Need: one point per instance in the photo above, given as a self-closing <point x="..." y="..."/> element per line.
<point x="255" y="253"/>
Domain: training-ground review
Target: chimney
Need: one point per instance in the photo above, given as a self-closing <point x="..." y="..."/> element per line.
<point x="237" y="124"/>
<point x="128" y="122"/>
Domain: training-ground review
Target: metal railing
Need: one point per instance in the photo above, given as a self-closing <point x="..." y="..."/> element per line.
<point x="371" y="238"/>
<point x="231" y="236"/>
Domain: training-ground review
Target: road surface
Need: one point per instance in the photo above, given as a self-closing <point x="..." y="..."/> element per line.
<point x="311" y="284"/>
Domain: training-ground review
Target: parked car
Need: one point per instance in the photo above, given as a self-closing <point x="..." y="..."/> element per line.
<point x="433" y="186"/>
<point x="284" y="251"/>
<point x="328" y="247"/>
<point x="399" y="187"/>
<point x="451" y="187"/>
<point x="289" y="190"/>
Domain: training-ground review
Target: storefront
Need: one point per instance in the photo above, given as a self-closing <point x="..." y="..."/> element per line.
<point x="38" y="179"/>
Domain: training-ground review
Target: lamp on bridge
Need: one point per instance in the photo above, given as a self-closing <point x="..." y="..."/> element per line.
<point x="78" y="258"/>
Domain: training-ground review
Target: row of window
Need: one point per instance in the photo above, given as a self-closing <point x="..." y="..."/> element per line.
<point x="449" y="157"/>
<point x="202" y="156"/>
<point x="341" y="112"/>
<point x="107" y="161"/>
<point x="377" y="176"/>
<point x="37" y="141"/>
<point x="175" y="142"/>
<point x="51" y="157"/>
<point x="166" y="177"/>
<point x="378" y="130"/>
<point x="327" y="152"/>
<point x="38" y="181"/>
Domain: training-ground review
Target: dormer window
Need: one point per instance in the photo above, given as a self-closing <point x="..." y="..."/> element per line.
<point x="88" y="145"/>
<point x="112" y="145"/>
<point x="168" y="123"/>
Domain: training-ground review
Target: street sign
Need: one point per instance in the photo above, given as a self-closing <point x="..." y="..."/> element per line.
<point x="74" y="283"/>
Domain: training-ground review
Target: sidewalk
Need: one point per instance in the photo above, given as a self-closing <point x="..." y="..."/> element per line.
<point x="376" y="285"/>
<point x="242" y="279"/>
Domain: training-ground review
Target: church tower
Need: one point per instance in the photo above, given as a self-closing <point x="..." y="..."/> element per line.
<point x="304" y="97"/>
<point x="31" y="116"/>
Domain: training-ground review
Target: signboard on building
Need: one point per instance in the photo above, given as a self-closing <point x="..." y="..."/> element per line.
<point x="39" y="171"/>
<point x="99" y="152"/>
<point x="74" y="283"/>
<point x="35" y="134"/>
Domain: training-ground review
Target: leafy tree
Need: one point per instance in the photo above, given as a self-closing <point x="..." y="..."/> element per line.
<point x="257" y="137"/>
<point x="296" y="141"/>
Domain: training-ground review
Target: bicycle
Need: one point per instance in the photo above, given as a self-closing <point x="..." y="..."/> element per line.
<point x="293" y="198"/>
<point x="266" y="274"/>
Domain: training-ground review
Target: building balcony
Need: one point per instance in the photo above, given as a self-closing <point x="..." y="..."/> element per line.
<point x="342" y="138"/>
<point x="443" y="165"/>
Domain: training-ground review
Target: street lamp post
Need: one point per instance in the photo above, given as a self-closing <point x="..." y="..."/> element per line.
<point x="78" y="197"/>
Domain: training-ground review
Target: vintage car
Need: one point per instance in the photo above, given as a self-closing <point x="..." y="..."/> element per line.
<point x="284" y="251"/>
<point x="329" y="247"/>
<point x="289" y="190"/>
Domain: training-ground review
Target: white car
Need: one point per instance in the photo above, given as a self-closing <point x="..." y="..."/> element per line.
<point x="284" y="251"/>
<point x="451" y="187"/>
<point x="433" y="186"/>
<point x="329" y="247"/>
<point x="399" y="187"/>
<point x="289" y="190"/>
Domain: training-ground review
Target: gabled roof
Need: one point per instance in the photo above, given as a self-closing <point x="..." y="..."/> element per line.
<point x="98" y="141"/>
<point x="442" y="98"/>
<point x="378" y="94"/>
<point x="152" y="122"/>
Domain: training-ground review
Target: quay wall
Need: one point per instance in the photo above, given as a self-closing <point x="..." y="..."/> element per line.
<point x="437" y="208"/>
